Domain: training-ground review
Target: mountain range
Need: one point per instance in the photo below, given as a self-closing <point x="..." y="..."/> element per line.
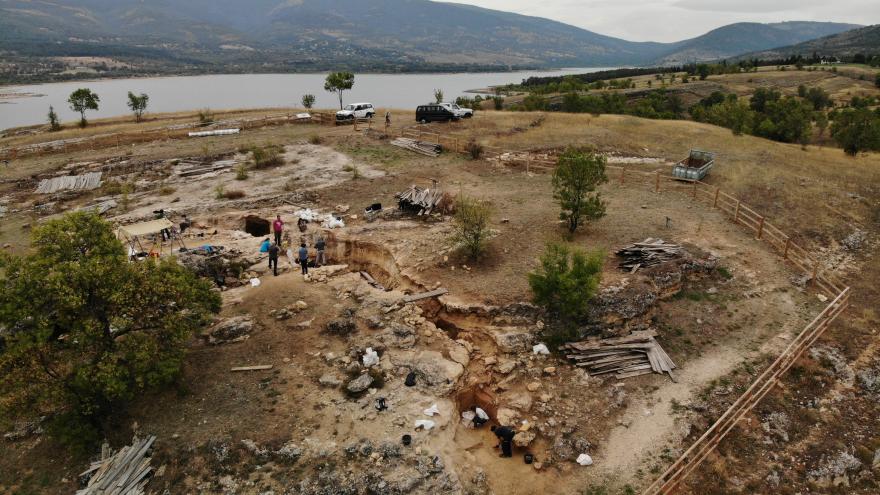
<point x="865" y="40"/>
<point x="357" y="34"/>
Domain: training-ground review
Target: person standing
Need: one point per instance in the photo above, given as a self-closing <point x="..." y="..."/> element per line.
<point x="278" y="226"/>
<point x="304" y="258"/>
<point x="320" y="259"/>
<point x="273" y="258"/>
<point x="505" y="434"/>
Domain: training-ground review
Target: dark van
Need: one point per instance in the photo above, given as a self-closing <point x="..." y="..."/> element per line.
<point x="434" y="113"/>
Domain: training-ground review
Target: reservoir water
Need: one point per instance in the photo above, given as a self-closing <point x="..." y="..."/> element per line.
<point x="28" y="105"/>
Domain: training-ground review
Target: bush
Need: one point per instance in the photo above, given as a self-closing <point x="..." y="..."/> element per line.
<point x="87" y="331"/>
<point x="315" y="139"/>
<point x="308" y="100"/>
<point x="498" y="102"/>
<point x="563" y="285"/>
<point x="241" y="172"/>
<point x="206" y="117"/>
<point x="474" y="149"/>
<point x="471" y="226"/>
<point x="234" y="194"/>
<point x="856" y="129"/>
<point x="268" y="156"/>
<point x="578" y="173"/>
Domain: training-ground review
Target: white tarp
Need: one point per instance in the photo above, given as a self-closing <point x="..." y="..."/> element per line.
<point x="218" y="132"/>
<point x="144" y="228"/>
<point x="83" y="182"/>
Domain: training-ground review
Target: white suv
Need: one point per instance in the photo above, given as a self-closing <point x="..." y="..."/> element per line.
<point x="356" y="110"/>
<point x="460" y="112"/>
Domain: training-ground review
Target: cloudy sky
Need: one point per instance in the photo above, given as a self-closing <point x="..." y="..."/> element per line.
<point x="673" y="20"/>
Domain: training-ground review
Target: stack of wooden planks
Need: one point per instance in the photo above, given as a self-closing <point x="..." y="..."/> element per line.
<point x="123" y="473"/>
<point x="416" y="198"/>
<point x="632" y="355"/>
<point x="648" y="253"/>
<point x="425" y="148"/>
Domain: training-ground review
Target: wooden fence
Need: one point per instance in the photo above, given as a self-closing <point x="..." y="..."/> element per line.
<point x="741" y="214"/>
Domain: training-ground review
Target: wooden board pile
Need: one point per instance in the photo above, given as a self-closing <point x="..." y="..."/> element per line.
<point x="425" y="148"/>
<point x="123" y="473"/>
<point x="647" y="253"/>
<point x="416" y="198"/>
<point x="633" y="355"/>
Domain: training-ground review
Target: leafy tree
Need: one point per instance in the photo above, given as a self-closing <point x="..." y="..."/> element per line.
<point x="763" y="96"/>
<point x="564" y="284"/>
<point x="787" y="120"/>
<point x="471" y="225"/>
<point x="821" y="119"/>
<point x="535" y="102"/>
<point x="703" y="70"/>
<point x="54" y="125"/>
<point x="138" y="104"/>
<point x="498" y="102"/>
<point x="438" y="96"/>
<point x="81" y="100"/>
<point x="856" y="130"/>
<point x="578" y="173"/>
<point x="819" y="98"/>
<point x="802" y="91"/>
<point x="84" y="330"/>
<point x="337" y="82"/>
<point x="308" y="100"/>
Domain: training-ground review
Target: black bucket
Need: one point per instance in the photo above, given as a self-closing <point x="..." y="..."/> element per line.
<point x="406" y="440"/>
<point x="528" y="458"/>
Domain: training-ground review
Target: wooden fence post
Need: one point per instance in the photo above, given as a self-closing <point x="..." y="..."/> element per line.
<point x="695" y="190"/>
<point x="736" y="213"/>
<point x="760" y="228"/>
<point x="785" y="251"/>
<point x="622" y="173"/>
<point x="657" y="182"/>
<point x="355" y="122"/>
<point x="715" y="202"/>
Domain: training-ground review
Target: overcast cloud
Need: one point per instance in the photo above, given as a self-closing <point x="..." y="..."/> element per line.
<point x="673" y="20"/>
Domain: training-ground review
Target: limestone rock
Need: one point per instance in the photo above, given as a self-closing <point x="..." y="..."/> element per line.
<point x="533" y="386"/>
<point x="506" y="416"/>
<point x="360" y="383"/>
<point x="233" y="329"/>
<point x="514" y="341"/>
<point x="459" y="354"/>
<point x="505" y="366"/>
<point x="523" y="438"/>
<point x="330" y="380"/>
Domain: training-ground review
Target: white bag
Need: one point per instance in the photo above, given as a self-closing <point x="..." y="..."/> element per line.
<point x="371" y="357"/>
<point x="482" y="414"/>
<point x="427" y="424"/>
<point x="431" y="410"/>
<point x="255" y="282"/>
<point x="540" y="349"/>
<point x="584" y="460"/>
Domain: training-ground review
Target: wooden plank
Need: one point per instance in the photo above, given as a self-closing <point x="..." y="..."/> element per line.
<point x="258" y="367"/>
<point x="425" y="295"/>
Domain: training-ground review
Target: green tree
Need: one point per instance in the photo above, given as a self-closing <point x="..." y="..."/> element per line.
<point x="762" y="96"/>
<point x="337" y="82"/>
<point x="703" y="70"/>
<point x="564" y="284"/>
<point x="856" y="130"/>
<point x="54" y="125"/>
<point x="819" y="98"/>
<point x="138" y="104"/>
<point x="578" y="173"/>
<point x="471" y="225"/>
<point x="308" y="100"/>
<point x="438" y="96"/>
<point x="498" y="102"/>
<point x="85" y="331"/>
<point x="81" y="100"/>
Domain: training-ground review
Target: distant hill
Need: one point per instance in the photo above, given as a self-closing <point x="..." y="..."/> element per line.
<point x="736" y="39"/>
<point x="264" y="35"/>
<point x="864" y="40"/>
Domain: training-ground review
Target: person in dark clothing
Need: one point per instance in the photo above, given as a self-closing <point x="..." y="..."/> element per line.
<point x="304" y="258"/>
<point x="273" y="258"/>
<point x="505" y="435"/>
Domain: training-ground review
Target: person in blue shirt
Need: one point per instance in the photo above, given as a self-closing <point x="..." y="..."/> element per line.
<point x="264" y="247"/>
<point x="304" y="258"/>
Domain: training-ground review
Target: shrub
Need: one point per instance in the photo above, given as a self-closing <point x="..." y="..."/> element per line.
<point x="471" y="226"/>
<point x="220" y="192"/>
<point x="290" y="185"/>
<point x="315" y="139"/>
<point x="206" y="117"/>
<point x="498" y="102"/>
<point x="578" y="173"/>
<point x="241" y="172"/>
<point x="234" y="194"/>
<point x="856" y="129"/>
<point x="165" y="190"/>
<point x="474" y="149"/>
<point x="563" y="285"/>
<point x="268" y="156"/>
<point x="54" y="124"/>
<point x="87" y="331"/>
<point x="308" y="100"/>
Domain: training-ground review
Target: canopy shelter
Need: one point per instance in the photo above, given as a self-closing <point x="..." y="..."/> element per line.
<point x="158" y="235"/>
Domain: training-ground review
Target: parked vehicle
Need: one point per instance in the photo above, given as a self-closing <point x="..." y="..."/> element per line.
<point x="695" y="166"/>
<point x="356" y="111"/>
<point x="434" y="112"/>
<point x="460" y="112"/>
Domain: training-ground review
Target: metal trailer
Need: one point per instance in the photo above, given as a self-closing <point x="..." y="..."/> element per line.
<point x="695" y="166"/>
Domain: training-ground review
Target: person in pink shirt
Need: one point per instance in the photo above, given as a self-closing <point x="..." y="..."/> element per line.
<point x="278" y="226"/>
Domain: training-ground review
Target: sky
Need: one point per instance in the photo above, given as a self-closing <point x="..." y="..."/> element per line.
<point x="674" y="20"/>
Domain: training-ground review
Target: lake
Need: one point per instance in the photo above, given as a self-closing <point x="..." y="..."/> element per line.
<point x="28" y="105"/>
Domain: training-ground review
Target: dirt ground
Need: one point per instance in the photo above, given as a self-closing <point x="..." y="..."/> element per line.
<point x="283" y="430"/>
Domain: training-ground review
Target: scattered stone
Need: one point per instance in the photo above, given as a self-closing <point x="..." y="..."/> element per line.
<point x="301" y="305"/>
<point x="506" y="416"/>
<point x="330" y="380"/>
<point x="235" y="329"/>
<point x="534" y="386"/>
<point x="505" y="366"/>
<point x="360" y="383"/>
<point x="514" y="342"/>
<point x="523" y="438"/>
<point x="341" y="326"/>
<point x="550" y="370"/>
